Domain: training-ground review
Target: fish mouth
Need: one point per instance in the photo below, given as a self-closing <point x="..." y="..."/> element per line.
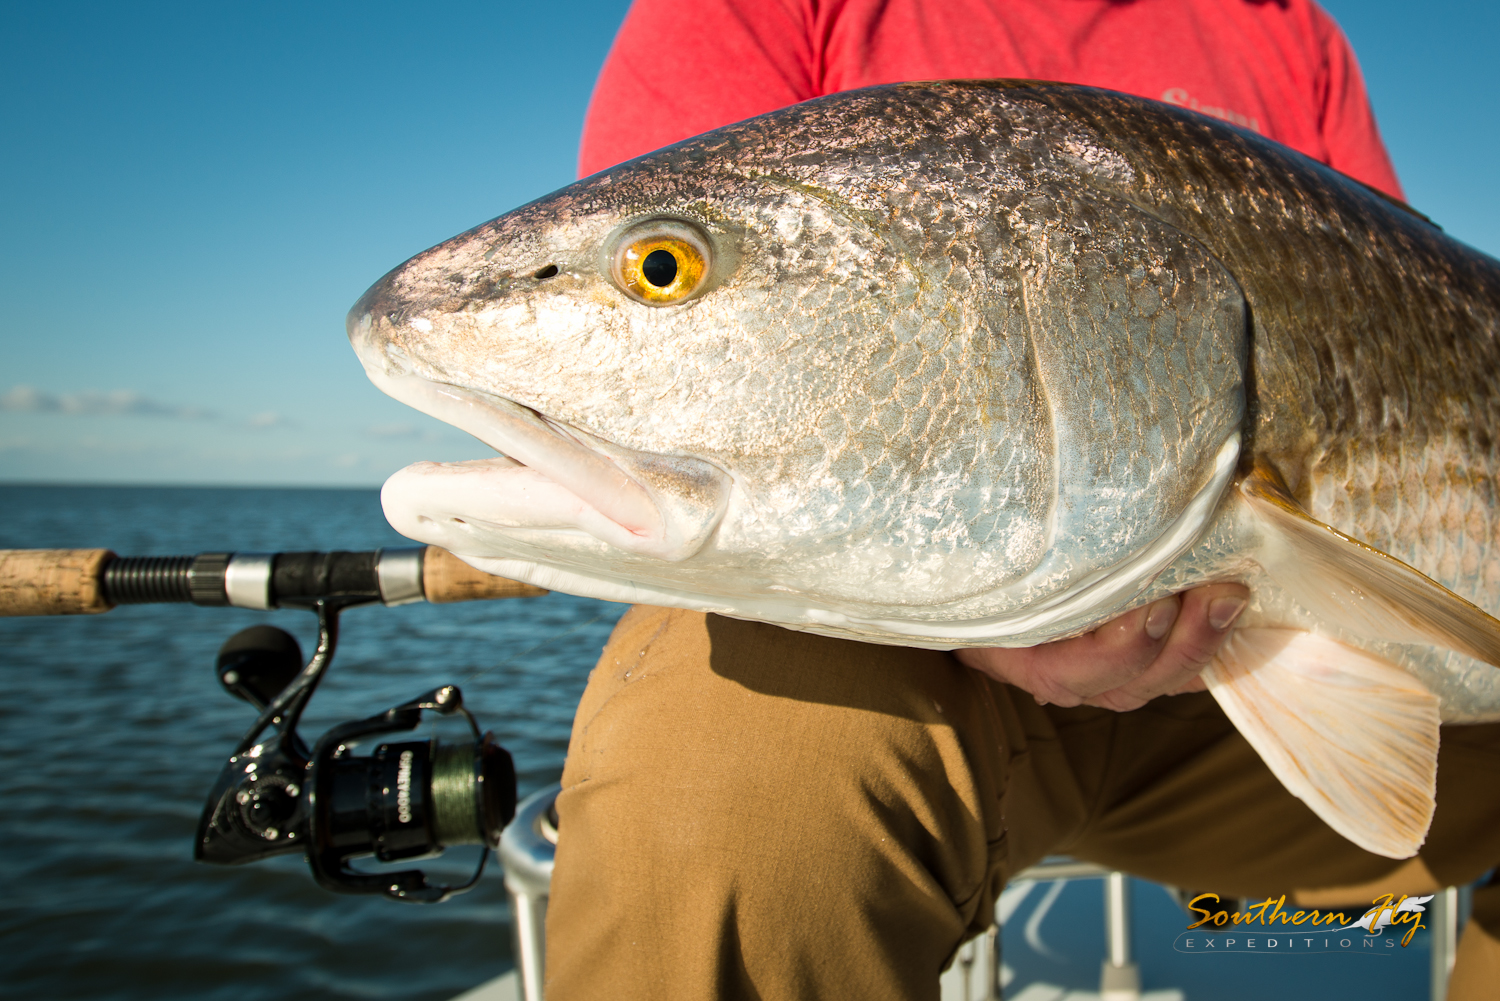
<point x="550" y="478"/>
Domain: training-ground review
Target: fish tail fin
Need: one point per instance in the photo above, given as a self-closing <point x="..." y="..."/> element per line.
<point x="1348" y="733"/>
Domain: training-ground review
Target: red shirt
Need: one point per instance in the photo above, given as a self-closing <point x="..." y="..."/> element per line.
<point x="1280" y="67"/>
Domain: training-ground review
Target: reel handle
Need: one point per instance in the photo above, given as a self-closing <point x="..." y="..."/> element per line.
<point x="87" y="581"/>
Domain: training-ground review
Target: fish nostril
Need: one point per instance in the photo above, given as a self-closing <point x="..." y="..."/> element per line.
<point x="549" y="271"/>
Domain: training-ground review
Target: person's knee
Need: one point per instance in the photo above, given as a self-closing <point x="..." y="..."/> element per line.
<point x="718" y="738"/>
<point x="804" y="790"/>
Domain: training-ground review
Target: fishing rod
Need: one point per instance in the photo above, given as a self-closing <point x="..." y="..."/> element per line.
<point x="340" y="799"/>
<point x="89" y="581"/>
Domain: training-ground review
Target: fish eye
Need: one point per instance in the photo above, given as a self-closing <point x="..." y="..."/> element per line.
<point x="661" y="261"/>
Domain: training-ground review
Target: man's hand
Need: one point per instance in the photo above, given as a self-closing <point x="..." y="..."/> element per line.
<point x="1125" y="663"/>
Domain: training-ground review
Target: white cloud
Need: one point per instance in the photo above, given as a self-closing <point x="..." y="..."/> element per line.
<point x="118" y="402"/>
<point x="271" y="419"/>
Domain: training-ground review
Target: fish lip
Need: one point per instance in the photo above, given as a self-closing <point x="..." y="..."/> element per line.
<point x="604" y="477"/>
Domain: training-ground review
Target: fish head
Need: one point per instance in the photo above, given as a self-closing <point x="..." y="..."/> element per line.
<point x="785" y="370"/>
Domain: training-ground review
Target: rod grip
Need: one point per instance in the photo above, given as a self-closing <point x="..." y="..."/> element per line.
<point x="52" y="581"/>
<point x="447" y="578"/>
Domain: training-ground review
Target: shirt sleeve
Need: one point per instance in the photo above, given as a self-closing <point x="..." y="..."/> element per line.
<point x="681" y="67"/>
<point x="1349" y="130"/>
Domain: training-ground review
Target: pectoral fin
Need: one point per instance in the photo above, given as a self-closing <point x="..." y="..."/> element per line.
<point x="1357" y="587"/>
<point x="1350" y="734"/>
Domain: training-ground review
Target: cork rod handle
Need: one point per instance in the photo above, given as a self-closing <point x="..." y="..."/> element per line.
<point x="447" y="578"/>
<point x="52" y="581"/>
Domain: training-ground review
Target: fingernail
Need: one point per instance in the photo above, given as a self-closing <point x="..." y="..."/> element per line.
<point x="1223" y="611"/>
<point x="1160" y="617"/>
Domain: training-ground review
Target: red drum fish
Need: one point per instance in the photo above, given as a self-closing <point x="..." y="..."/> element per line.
<point x="989" y="363"/>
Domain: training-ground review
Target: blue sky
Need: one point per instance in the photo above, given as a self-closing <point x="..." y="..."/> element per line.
<point x="192" y="195"/>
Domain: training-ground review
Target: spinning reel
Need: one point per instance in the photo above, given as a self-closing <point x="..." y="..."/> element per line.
<point x="404" y="798"/>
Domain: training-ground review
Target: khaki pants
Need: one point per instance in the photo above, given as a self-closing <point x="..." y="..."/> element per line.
<point x="749" y="812"/>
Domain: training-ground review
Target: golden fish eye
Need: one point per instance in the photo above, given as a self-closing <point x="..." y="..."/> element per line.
<point x="661" y="262"/>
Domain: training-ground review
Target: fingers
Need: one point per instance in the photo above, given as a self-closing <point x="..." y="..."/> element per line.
<point x="1123" y="664"/>
<point x="1068" y="672"/>
<point x="1195" y="685"/>
<point x="1199" y="630"/>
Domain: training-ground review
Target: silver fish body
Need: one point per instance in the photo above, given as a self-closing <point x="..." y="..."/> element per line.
<point x="965" y="363"/>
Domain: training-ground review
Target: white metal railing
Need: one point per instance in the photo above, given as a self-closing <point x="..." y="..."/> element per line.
<point x="528" y="845"/>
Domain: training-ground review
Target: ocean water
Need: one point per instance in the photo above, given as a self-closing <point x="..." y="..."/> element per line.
<point x="113" y="728"/>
